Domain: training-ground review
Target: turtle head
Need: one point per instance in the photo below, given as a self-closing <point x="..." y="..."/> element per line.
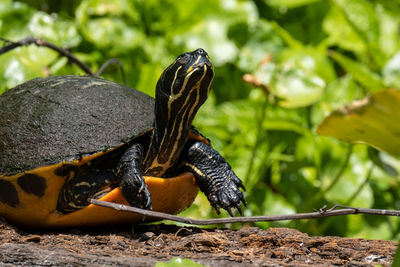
<point x="182" y="88"/>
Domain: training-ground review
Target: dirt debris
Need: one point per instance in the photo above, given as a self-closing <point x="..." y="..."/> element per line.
<point x="144" y="245"/>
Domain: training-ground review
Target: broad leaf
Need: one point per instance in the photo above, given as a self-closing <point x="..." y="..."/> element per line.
<point x="360" y="72"/>
<point x="289" y="3"/>
<point x="373" y="120"/>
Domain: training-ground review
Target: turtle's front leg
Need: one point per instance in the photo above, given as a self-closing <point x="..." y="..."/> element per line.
<point x="129" y="175"/>
<point x="214" y="176"/>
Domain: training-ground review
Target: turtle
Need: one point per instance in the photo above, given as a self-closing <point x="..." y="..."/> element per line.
<point x="65" y="140"/>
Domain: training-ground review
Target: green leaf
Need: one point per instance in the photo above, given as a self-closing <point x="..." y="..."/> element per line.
<point x="261" y="42"/>
<point x="360" y="72"/>
<point x="340" y="33"/>
<point x="178" y="262"/>
<point x="212" y="35"/>
<point x="106" y="23"/>
<point x="211" y="31"/>
<point x="286" y="36"/>
<point x="391" y="72"/>
<point x="13" y="19"/>
<point x="337" y="93"/>
<point x="53" y="29"/>
<point x="284" y="125"/>
<point x="373" y="154"/>
<point x="389" y="35"/>
<point x="391" y="6"/>
<point x="296" y="78"/>
<point x="25" y="63"/>
<point x="396" y="260"/>
<point x="311" y="60"/>
<point x="148" y="76"/>
<point x="295" y="87"/>
<point x="362" y="17"/>
<point x="289" y="3"/>
<point x="373" y="120"/>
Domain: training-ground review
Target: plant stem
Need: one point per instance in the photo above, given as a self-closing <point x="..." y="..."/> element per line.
<point x="360" y="187"/>
<point x="259" y="134"/>
<point x="341" y="170"/>
<point x="335" y="180"/>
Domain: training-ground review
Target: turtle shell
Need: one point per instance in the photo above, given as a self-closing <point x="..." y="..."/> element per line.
<point x="48" y="120"/>
<point x="51" y="125"/>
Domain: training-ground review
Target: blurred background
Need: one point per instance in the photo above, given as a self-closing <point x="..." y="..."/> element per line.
<point x="281" y="68"/>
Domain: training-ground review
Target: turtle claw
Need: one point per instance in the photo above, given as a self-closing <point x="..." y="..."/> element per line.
<point x="214" y="177"/>
<point x="217" y="210"/>
<point x="227" y="196"/>
<point x="144" y="198"/>
<point x="230" y="212"/>
<point x="239" y="208"/>
<point x="137" y="195"/>
<point x="130" y="178"/>
<point x="242" y="199"/>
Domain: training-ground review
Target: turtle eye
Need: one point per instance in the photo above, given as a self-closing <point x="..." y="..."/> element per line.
<point x="183" y="59"/>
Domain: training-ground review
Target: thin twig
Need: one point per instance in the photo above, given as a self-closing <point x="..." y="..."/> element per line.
<point x="39" y="42"/>
<point x="259" y="138"/>
<point x="341" y="170"/>
<point x="253" y="80"/>
<point x="361" y="186"/>
<point x="344" y="210"/>
<point x="113" y="61"/>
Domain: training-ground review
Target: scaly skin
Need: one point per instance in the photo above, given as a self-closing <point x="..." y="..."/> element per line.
<point x="181" y="90"/>
<point x="130" y="177"/>
<point x="214" y="176"/>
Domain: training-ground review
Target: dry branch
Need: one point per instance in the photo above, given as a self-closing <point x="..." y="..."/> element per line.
<point x="39" y="42"/>
<point x="336" y="210"/>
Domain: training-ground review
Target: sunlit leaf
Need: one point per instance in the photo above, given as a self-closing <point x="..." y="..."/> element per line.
<point x="211" y="34"/>
<point x="295" y="79"/>
<point x="360" y="72"/>
<point x="391" y="71"/>
<point x="373" y="120"/>
<point x="375" y="158"/>
<point x="53" y="29"/>
<point x="262" y="42"/>
<point x="284" y="125"/>
<point x="289" y="3"/>
<point x="295" y="88"/>
<point x="338" y="93"/>
<point x="396" y="260"/>
<point x="16" y="14"/>
<point x="25" y="63"/>
<point x="179" y="262"/>
<point x="285" y="35"/>
<point x="106" y="23"/>
<point x="389" y="41"/>
<point x="311" y="61"/>
<point x="391" y="6"/>
<point x="362" y="19"/>
<point x="149" y="74"/>
<point x="340" y="33"/>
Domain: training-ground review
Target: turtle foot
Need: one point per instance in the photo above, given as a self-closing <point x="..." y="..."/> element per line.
<point x="226" y="194"/>
<point x="130" y="178"/>
<point x="215" y="177"/>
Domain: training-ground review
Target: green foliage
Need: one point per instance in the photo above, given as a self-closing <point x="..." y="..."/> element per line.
<point x="372" y="120"/>
<point x="311" y="56"/>
<point x="178" y="262"/>
<point x="396" y="260"/>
